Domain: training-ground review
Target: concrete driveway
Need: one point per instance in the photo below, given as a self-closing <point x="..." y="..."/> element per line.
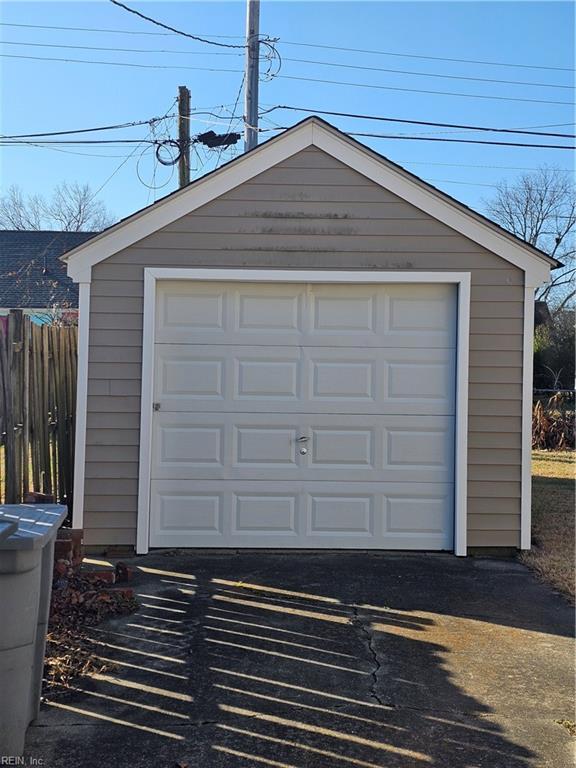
<point x="327" y="660"/>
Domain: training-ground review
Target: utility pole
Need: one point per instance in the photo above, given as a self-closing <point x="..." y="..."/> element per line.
<point x="184" y="135"/>
<point x="251" y="74"/>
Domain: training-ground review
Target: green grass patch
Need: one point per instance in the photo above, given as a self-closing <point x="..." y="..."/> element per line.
<point x="553" y="530"/>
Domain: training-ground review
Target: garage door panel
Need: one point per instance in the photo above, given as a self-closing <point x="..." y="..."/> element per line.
<point x="267" y="447"/>
<point x="265" y="378"/>
<point x="337" y="446"/>
<point x="264" y="513"/>
<point x="190" y="446"/>
<point x="312" y="379"/>
<point x="194" y="513"/>
<point x="258" y="445"/>
<point x="306" y="315"/>
<point x="181" y="376"/>
<point x="275" y="309"/>
<point x="342" y="379"/>
<point x="318" y="515"/>
<point x="340" y="514"/>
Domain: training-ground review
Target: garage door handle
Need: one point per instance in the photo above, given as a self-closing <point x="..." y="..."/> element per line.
<point x="302" y="439"/>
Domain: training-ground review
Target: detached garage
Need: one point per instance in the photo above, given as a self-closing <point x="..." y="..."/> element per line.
<point x="307" y="348"/>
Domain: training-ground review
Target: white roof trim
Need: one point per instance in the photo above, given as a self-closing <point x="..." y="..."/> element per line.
<point x="311" y="132"/>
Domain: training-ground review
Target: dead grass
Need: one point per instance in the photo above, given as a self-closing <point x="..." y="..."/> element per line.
<point x="553" y="531"/>
<point x="570" y="726"/>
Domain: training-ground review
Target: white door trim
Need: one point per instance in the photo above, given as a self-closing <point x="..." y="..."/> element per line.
<point x="153" y="274"/>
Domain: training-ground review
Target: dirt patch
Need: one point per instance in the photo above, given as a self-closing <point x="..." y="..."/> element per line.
<point x="553" y="530"/>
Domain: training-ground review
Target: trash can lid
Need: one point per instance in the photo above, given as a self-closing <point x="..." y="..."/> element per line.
<point x="35" y="524"/>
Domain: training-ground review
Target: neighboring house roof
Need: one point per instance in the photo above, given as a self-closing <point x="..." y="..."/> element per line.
<point x="32" y="275"/>
<point x="312" y="131"/>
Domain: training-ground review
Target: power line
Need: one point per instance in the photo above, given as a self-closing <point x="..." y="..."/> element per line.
<point x="286" y="77"/>
<point x="107" y="30"/>
<point x="117" y="63"/>
<point x="300" y="44"/>
<point x="482" y="167"/>
<point x="464" y="141"/>
<point x="428" y="58"/>
<point x="434" y="138"/>
<point x="420" y="122"/>
<point x="151" y="121"/>
<point x="428" y="74"/>
<point x="233" y="116"/>
<point x="36" y="145"/>
<point x="173" y="29"/>
<point x="418" y="90"/>
<point x="76" y="142"/>
<point x="124" y="50"/>
<point x="302" y="61"/>
<point x="101" y="187"/>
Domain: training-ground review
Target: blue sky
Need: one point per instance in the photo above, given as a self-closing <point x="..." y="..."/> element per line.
<point x="40" y="95"/>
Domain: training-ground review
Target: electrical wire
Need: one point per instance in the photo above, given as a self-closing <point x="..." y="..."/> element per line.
<point x="482" y="167"/>
<point x="428" y="74"/>
<point x="338" y="48"/>
<point x="173" y="29"/>
<point x="150" y="121"/>
<point x="290" y="77"/>
<point x="426" y="91"/>
<point x="427" y="58"/>
<point x="116" y="63"/>
<point x="107" y="30"/>
<point x="420" y="122"/>
<point x="233" y="117"/>
<point x="65" y="151"/>
<point x="267" y="42"/>
<point x="286" y="77"/>
<point x="77" y="142"/>
<point x="118" y="50"/>
<point x="300" y="61"/>
<point x="123" y="163"/>
<point x="432" y="138"/>
<point x="466" y="141"/>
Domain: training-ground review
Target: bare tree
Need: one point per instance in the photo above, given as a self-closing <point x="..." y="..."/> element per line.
<point x="71" y="208"/>
<point x="540" y="208"/>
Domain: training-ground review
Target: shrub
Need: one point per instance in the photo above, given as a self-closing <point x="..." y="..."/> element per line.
<point x="552" y="425"/>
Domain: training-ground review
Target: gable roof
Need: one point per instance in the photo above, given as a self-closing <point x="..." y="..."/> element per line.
<point x="32" y="275"/>
<point x="313" y="131"/>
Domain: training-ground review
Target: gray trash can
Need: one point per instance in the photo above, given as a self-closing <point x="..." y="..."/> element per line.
<point x="26" y="563"/>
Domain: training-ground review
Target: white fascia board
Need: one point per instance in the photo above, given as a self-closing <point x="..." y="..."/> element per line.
<point x="427" y="200"/>
<point x="81" y="260"/>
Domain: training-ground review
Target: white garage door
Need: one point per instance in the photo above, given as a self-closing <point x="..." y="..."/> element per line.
<point x="303" y="416"/>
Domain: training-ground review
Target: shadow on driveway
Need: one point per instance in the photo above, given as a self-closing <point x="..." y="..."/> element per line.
<point x="328" y="660"/>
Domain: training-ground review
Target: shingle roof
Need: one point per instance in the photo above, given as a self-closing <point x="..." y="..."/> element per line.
<point x="31" y="272"/>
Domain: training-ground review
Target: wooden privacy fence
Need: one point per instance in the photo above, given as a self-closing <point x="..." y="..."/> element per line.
<point x="38" y="365"/>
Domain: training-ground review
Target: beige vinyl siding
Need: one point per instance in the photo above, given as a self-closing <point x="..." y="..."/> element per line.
<point x="308" y="212"/>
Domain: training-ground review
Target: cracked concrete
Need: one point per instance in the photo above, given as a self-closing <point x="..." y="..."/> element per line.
<point x="358" y="622"/>
<point x="320" y="660"/>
